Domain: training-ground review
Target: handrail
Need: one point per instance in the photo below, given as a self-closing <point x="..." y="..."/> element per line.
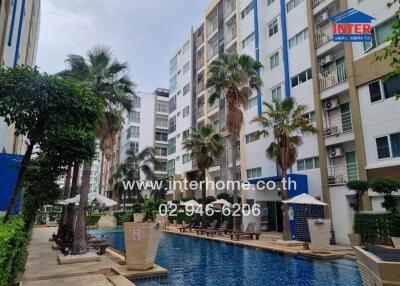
<point x="333" y="76"/>
<point x="323" y="35"/>
<point x="337" y="124"/>
<point x="342" y="174"/>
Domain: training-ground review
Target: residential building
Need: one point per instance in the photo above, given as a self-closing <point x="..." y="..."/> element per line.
<point x="349" y="102"/>
<point x="19" y="33"/>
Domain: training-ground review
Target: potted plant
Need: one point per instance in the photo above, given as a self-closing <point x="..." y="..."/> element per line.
<point x="359" y="187"/>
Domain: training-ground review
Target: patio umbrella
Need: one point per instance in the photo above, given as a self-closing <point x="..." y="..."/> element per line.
<point x="192" y="203"/>
<point x="220" y="204"/>
<point x="93" y="197"/>
<point x="304" y="199"/>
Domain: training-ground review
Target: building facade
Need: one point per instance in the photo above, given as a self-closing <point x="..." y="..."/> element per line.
<point x="351" y="105"/>
<point x="19" y="34"/>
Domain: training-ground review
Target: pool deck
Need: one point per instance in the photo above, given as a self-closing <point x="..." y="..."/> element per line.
<point x="271" y="241"/>
<point x="43" y="269"/>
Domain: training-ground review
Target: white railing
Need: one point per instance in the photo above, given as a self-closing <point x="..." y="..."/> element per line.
<point x="323" y="35"/>
<point x="212" y="26"/>
<point x="230" y="35"/>
<point x="337" y="124"/>
<point x="229" y="8"/>
<point x="342" y="174"/>
<point x="214" y="106"/>
<point x="316" y="2"/>
<point x="333" y="76"/>
<point x="212" y="50"/>
<point x="200" y="111"/>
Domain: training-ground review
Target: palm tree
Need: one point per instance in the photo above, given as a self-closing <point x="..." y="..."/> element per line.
<point x="107" y="78"/>
<point x="131" y="170"/>
<point x="235" y="77"/>
<point x="204" y="146"/>
<point x="287" y="122"/>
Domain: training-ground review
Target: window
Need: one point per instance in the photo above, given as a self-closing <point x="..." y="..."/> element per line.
<point x="301" y="77"/>
<point x="134" y="146"/>
<point x="172" y="104"/>
<point x="136" y="102"/>
<point x="253" y="173"/>
<point x="186" y="89"/>
<point x="293" y="4"/>
<point x="161" y="135"/>
<point x="311" y="116"/>
<point x="269" y="2"/>
<point x="186" y="68"/>
<point x="162" y="121"/>
<point x="252" y="137"/>
<point x="171" y="167"/>
<point x="298" y="38"/>
<point x="185" y="134"/>
<point x="276" y="93"/>
<point x="273" y="27"/>
<point x="186" y="47"/>
<point x="388" y="146"/>
<point x="380" y="34"/>
<point x="185" y="158"/>
<point x="134" y="116"/>
<point x="132" y="132"/>
<point x="172" y="124"/>
<point x="248" y="40"/>
<point x="308" y="164"/>
<point x="185" y="112"/>
<point x="172" y="84"/>
<point x="161" y="106"/>
<point x="247" y="10"/>
<point x="252" y="102"/>
<point x="160" y="151"/>
<point x="171" y="146"/>
<point x="160" y="166"/>
<point x="384" y="88"/>
<point x="274" y="60"/>
<point x="173" y="64"/>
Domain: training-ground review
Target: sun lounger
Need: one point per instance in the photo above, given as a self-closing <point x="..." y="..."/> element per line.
<point x="187" y="227"/>
<point x="204" y="230"/>
<point x="221" y="230"/>
<point x="249" y="232"/>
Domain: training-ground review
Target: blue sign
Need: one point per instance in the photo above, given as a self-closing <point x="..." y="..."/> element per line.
<point x="9" y="169"/>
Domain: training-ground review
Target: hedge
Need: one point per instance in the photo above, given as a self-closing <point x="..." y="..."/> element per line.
<point x="377" y="227"/>
<point x="13" y="250"/>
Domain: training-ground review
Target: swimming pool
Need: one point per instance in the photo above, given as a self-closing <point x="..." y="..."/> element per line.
<point x="200" y="262"/>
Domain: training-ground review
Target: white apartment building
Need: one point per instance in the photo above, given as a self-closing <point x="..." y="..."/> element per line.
<point x="147" y="126"/>
<point x="19" y="34"/>
<point x="352" y="107"/>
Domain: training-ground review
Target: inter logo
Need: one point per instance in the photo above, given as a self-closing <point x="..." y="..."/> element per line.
<point x="351" y="26"/>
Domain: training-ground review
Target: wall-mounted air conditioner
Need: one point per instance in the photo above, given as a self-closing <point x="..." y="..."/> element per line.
<point x="326" y="60"/>
<point x="336" y="152"/>
<point x="331" y="103"/>
<point x="322" y="18"/>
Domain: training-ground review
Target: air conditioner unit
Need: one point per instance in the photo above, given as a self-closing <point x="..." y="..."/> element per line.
<point x="322" y="18"/>
<point x="328" y="131"/>
<point x="336" y="152"/>
<point x="326" y="60"/>
<point x="331" y="103"/>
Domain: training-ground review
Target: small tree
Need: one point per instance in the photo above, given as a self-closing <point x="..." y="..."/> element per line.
<point x="359" y="187"/>
<point x="386" y="186"/>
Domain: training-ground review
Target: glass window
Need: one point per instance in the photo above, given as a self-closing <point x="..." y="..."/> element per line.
<point x="375" y="91"/>
<point x="316" y="162"/>
<point x="295" y="81"/>
<point x="302" y="77"/>
<point x="391" y="87"/>
<point x="171" y="167"/>
<point x="173" y="64"/>
<point x="171" y="146"/>
<point x="172" y="84"/>
<point x="186" y="89"/>
<point x="300" y="165"/>
<point x="248" y="40"/>
<point x="185" y="111"/>
<point x="161" y="151"/>
<point x="132" y="132"/>
<point x="136" y="102"/>
<point x="185" y="158"/>
<point x="252" y="102"/>
<point x="269" y="2"/>
<point x="185" y="135"/>
<point x="172" y="104"/>
<point x="309" y="163"/>
<point x="253" y="173"/>
<point x="161" y="135"/>
<point x="134" y="146"/>
<point x="186" y="68"/>
<point x="274" y="60"/>
<point x="186" y="47"/>
<point x="172" y="124"/>
<point x="382" y="146"/>
<point x="395" y="143"/>
<point x="384" y="31"/>
<point x="251" y="137"/>
<point x="134" y="116"/>
<point x="273" y="27"/>
<point x="276" y="93"/>
<point x="247" y="10"/>
<point x="162" y="106"/>
<point x="162" y="121"/>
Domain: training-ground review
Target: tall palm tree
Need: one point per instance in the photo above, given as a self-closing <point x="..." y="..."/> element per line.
<point x="107" y="78"/>
<point x="204" y="146"/>
<point x="287" y="122"/>
<point x="132" y="169"/>
<point x="235" y="77"/>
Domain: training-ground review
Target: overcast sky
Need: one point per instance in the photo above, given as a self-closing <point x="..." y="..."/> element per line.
<point x="143" y="33"/>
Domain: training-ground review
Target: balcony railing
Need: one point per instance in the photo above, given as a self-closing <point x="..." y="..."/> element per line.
<point x="200" y="40"/>
<point x="200" y="86"/>
<point x="200" y="111"/>
<point x="342" y="174"/>
<point x="214" y="106"/>
<point x="316" y="2"/>
<point x="338" y="124"/>
<point x="237" y="151"/>
<point x="230" y="35"/>
<point x="333" y="76"/>
<point x="212" y="26"/>
<point x="212" y="50"/>
<point x="229" y="8"/>
<point x="323" y="35"/>
<point x="200" y="62"/>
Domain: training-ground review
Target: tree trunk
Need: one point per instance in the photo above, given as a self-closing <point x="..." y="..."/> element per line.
<point x="69" y="226"/>
<point x="20" y="181"/>
<point x="101" y="174"/>
<point x="236" y="219"/>
<point x="204" y="195"/>
<point x="80" y="245"/>
<point x="285" y="210"/>
<point x="63" y="219"/>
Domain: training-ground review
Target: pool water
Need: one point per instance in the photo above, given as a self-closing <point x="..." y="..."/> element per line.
<point x="199" y="262"/>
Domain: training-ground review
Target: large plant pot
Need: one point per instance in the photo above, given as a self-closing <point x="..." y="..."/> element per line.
<point x="355" y="239"/>
<point x="141" y="244"/>
<point x="138" y="217"/>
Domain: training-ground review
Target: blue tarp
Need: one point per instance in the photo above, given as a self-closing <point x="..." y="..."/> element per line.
<point x="9" y="167"/>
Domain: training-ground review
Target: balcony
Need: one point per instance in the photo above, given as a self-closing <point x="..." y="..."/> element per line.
<point x="230" y="34"/>
<point x="200" y="86"/>
<point x="212" y="26"/>
<point x="237" y="151"/>
<point x="316" y="2"/>
<point x="200" y="111"/>
<point x="338" y="124"/>
<point x="199" y="40"/>
<point x="333" y="76"/>
<point x="229" y="8"/>
<point x="212" y="49"/>
<point x="323" y="35"/>
<point x="341" y="174"/>
<point x="200" y="62"/>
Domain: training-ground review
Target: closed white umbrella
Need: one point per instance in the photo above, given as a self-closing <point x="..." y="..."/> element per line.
<point x="304" y="199"/>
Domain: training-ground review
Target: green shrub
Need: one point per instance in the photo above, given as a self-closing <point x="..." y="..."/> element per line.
<point x="94" y="219"/>
<point x="387" y="186"/>
<point x="122" y="217"/>
<point x="13" y="250"/>
<point x="137" y="208"/>
<point x="377" y="227"/>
